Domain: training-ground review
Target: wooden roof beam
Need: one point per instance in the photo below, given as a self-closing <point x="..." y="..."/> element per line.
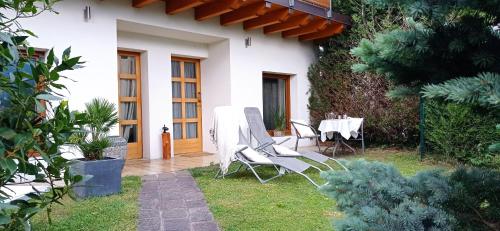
<point x="245" y="13"/>
<point x="314" y="26"/>
<point x="176" y="6"/>
<point x="142" y="3"/>
<point x="291" y="23"/>
<point x="270" y="18"/>
<point x="216" y="8"/>
<point x="329" y="31"/>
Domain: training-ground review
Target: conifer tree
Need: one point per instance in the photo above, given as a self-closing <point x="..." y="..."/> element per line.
<point x="441" y="40"/>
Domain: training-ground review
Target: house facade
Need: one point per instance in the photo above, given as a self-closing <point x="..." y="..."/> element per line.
<point x="170" y="63"/>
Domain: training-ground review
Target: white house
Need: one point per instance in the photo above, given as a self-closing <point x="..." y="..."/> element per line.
<point x="172" y="62"/>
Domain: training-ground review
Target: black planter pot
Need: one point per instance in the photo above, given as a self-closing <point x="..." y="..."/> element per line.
<point x="106" y="177"/>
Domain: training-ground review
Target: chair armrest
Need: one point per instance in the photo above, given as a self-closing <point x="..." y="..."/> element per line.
<point x="268" y="153"/>
<point x="283" y="141"/>
<point x="264" y="145"/>
<point x="307" y="125"/>
<point x="242" y="149"/>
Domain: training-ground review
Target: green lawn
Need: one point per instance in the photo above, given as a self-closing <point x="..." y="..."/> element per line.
<point x="116" y="212"/>
<point x="240" y="202"/>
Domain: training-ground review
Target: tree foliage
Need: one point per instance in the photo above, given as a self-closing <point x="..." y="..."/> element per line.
<point x="462" y="133"/>
<point x="334" y="88"/>
<point x="440" y="40"/>
<point x="483" y="90"/>
<point x="375" y="196"/>
<point x="31" y="129"/>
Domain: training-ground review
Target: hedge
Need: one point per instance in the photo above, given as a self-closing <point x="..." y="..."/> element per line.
<point x="462" y="132"/>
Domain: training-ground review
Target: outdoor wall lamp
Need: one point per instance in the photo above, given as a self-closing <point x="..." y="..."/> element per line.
<point x="248" y="42"/>
<point x="87" y="14"/>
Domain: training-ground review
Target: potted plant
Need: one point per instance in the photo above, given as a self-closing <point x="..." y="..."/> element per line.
<point x="104" y="173"/>
<point x="279" y="123"/>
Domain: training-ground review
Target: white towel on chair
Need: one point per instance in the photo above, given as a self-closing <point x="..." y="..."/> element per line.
<point x="226" y="123"/>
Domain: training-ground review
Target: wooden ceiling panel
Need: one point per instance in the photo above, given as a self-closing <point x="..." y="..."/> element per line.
<point x="216" y="8"/>
<point x="270" y="18"/>
<point x="245" y="13"/>
<point x="304" y="21"/>
<point x="177" y="6"/>
<point x="314" y="26"/>
<point x="142" y="3"/>
<point x="329" y="31"/>
<point x="291" y="23"/>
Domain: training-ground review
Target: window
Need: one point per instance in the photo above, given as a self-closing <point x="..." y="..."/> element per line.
<point x="276" y="99"/>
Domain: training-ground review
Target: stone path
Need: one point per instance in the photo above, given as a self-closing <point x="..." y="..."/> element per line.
<point x="173" y="201"/>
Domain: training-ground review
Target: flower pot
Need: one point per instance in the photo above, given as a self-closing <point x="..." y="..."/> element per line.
<point x="278" y="133"/>
<point x="105" y="177"/>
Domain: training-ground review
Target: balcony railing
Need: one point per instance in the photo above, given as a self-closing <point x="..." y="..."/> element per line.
<point x="322" y="3"/>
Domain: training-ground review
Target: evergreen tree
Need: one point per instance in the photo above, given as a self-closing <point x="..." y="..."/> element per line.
<point x="440" y="40"/>
<point x="375" y="196"/>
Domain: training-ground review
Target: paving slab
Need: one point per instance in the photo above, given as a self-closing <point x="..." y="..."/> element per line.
<point x="173" y="201"/>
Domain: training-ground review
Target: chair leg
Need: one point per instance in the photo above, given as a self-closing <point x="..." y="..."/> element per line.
<point x="341" y="165"/>
<point x="309" y="179"/>
<point x="220" y="174"/>
<point x="296" y="143"/>
<point x="326" y="165"/>
<point x="317" y="144"/>
<point x="263" y="181"/>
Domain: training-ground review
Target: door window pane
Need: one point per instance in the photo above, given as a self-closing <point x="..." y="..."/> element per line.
<point x="177" y="110"/>
<point x="128" y="88"/>
<point x="128" y="111"/>
<point x="191" y="111"/>
<point x="127" y="64"/>
<point x="177" y="131"/>
<point x="274" y="100"/>
<point x="191" y="130"/>
<point x="176" y="69"/>
<point x="129" y="133"/>
<point x="176" y="90"/>
<point x="189" y="70"/>
<point x="190" y="90"/>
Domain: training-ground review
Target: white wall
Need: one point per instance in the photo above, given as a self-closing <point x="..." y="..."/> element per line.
<point x="231" y="73"/>
<point x="215" y="86"/>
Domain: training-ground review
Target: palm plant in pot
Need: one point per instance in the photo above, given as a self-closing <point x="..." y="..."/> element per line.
<point x="279" y="123"/>
<point x="104" y="173"/>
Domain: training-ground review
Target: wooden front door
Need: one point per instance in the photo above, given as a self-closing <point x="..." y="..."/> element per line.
<point x="129" y="96"/>
<point x="186" y="105"/>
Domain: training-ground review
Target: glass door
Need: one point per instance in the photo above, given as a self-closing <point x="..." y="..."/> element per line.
<point x="186" y="105"/>
<point x="129" y="84"/>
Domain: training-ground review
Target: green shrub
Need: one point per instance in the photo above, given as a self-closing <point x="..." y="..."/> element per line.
<point x="100" y="116"/>
<point x="375" y="196"/>
<point x="335" y="88"/>
<point x="29" y="123"/>
<point x="462" y="132"/>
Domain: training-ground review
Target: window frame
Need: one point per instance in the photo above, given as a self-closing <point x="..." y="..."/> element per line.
<point x="288" y="130"/>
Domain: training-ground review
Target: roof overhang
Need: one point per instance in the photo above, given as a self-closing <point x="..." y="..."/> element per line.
<point x="306" y="20"/>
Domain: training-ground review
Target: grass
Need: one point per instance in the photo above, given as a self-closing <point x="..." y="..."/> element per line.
<point x="116" y="212"/>
<point x="240" y="202"/>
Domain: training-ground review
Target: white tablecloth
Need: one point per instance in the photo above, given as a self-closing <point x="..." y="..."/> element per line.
<point x="346" y="127"/>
